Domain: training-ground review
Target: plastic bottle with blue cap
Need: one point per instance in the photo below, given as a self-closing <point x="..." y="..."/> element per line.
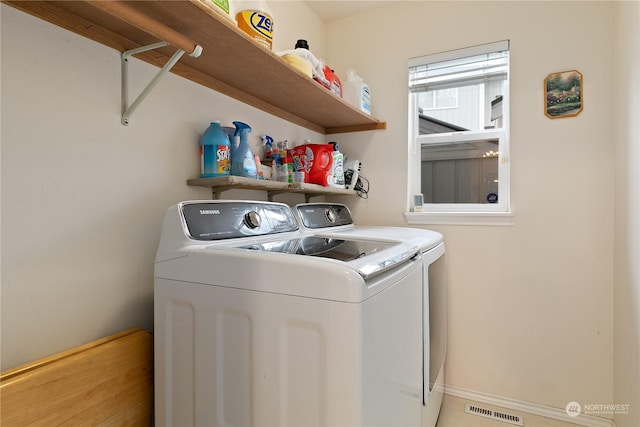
<point x="243" y="162"/>
<point x="214" y="152"/>
<point x="356" y="92"/>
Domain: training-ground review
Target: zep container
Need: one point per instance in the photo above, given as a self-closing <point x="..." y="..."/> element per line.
<point x="214" y="152"/>
<point x="255" y="18"/>
<point x="356" y="92"/>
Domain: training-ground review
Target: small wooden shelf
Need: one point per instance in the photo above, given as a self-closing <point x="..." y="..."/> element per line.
<point x="220" y="184"/>
<point x="231" y="62"/>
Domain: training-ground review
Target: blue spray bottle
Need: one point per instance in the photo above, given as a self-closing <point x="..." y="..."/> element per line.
<point x="242" y="161"/>
<point x="267" y="141"/>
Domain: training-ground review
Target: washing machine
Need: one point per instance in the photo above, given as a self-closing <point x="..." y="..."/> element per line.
<point x="334" y="220"/>
<point x="259" y="322"/>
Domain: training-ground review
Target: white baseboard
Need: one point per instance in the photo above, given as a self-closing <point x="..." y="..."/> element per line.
<point x="527" y="407"/>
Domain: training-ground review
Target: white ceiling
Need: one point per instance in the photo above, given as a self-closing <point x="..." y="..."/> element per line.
<point x="329" y="10"/>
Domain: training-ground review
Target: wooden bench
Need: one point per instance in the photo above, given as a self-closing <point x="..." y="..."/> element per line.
<point x="105" y="382"/>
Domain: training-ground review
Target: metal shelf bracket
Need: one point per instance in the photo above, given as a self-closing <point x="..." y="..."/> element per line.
<point x="127" y="110"/>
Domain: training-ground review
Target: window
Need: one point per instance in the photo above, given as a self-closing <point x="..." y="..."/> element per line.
<point x="458" y="127"/>
<point x="438" y="99"/>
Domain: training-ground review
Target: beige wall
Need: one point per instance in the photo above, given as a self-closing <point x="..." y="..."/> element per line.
<point x="627" y="216"/>
<point x="531" y="305"/>
<point x="83" y="196"/>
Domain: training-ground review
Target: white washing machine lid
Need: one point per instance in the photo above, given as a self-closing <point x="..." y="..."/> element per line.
<point x="368" y="257"/>
<point x="228" y="266"/>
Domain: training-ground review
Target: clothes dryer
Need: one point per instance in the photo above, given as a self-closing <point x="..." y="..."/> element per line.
<point x="334" y="220"/>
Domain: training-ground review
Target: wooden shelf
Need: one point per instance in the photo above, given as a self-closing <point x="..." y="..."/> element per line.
<point x="231" y="62"/>
<point x="224" y="183"/>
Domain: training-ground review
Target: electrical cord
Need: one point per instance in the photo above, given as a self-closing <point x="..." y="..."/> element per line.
<point x="362" y="185"/>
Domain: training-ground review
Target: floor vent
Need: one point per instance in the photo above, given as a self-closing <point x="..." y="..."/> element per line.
<point x="494" y="415"/>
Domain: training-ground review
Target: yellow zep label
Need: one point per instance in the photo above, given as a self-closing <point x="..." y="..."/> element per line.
<point x="257" y="24"/>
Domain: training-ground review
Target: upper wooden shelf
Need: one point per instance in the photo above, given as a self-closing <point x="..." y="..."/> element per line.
<point x="231" y="62"/>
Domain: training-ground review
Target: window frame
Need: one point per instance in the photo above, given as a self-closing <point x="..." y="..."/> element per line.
<point x="500" y="213"/>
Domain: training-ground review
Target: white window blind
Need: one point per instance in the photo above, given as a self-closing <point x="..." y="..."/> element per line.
<point x="474" y="65"/>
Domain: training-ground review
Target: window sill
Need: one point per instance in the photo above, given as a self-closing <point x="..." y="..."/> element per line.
<point x="460" y="218"/>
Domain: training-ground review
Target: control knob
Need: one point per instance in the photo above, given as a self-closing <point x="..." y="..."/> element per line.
<point x="330" y="214"/>
<point x="252" y="220"/>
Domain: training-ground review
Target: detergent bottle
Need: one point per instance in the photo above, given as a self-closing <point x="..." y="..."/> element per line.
<point x="256" y="19"/>
<point x="243" y="162"/>
<point x="214" y="152"/>
<point x="337" y="167"/>
<point x="356" y="92"/>
<point x="317" y="159"/>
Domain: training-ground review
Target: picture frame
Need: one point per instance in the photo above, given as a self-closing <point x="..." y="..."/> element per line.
<point x="563" y="94"/>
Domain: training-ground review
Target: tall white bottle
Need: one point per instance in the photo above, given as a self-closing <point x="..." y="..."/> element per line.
<point x="356" y="92"/>
<point x="336" y="179"/>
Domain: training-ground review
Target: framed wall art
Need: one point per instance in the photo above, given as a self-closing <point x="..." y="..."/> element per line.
<point x="563" y="94"/>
